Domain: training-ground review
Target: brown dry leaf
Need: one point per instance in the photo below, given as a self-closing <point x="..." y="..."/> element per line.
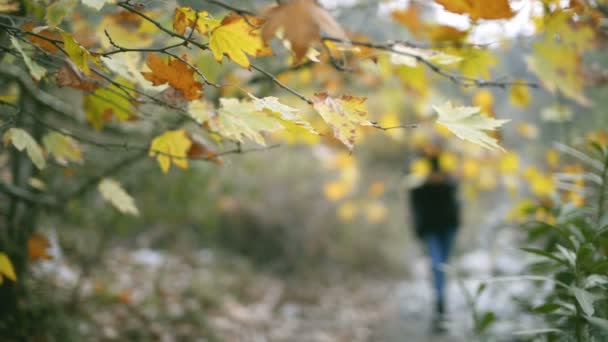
<point x="41" y="42"/>
<point x="37" y="247"/>
<point x="201" y="149"/>
<point x="479" y="9"/>
<point x="300" y="22"/>
<point x="177" y="73"/>
<point x="70" y="76"/>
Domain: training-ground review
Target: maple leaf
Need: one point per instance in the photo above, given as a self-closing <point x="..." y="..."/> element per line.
<point x="22" y="140"/>
<point x="468" y="123"/>
<point x="6" y="268"/>
<point x="63" y="147"/>
<point x="558" y="68"/>
<point x="186" y="17"/>
<point x="45" y="32"/>
<point x="344" y="115"/>
<point x="113" y="192"/>
<point x="128" y="66"/>
<point x="479" y="9"/>
<point x="109" y="101"/>
<point x="171" y="147"/>
<point x="445" y="33"/>
<point x="176" y="73"/>
<point x="127" y="29"/>
<point x="477" y="63"/>
<point x="37" y="247"/>
<point x="241" y="120"/>
<point x="238" y="37"/>
<point x="80" y="56"/>
<point x="300" y="22"/>
<point x="272" y="105"/>
<point x="410" y="18"/>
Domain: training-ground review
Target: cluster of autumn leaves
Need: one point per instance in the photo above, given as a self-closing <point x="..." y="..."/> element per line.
<point x="240" y="37"/>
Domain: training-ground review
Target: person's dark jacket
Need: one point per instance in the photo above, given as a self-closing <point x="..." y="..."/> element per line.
<point x="435" y="207"/>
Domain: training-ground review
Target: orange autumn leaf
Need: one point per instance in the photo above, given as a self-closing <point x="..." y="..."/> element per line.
<point x="445" y="33"/>
<point x="479" y="9"/>
<point x="44" y="44"/>
<point x="176" y="73"/>
<point x="410" y="18"/>
<point x="37" y="247"/>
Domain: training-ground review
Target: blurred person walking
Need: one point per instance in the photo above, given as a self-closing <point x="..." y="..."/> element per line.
<point x="436" y="217"/>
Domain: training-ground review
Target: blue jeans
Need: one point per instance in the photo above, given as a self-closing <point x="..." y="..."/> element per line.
<point x="439" y="246"/>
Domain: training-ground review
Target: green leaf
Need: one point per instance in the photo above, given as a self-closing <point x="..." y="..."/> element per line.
<point x="35" y="69"/>
<point x="469" y="124"/>
<point x="598" y="322"/>
<point x="112" y="192"/>
<point x="544" y="254"/>
<point x="537" y="331"/>
<point x="546" y="308"/>
<point x="64" y="148"/>
<point x="484" y="323"/>
<point x="59" y="10"/>
<point x="241" y="120"/>
<point x="585" y="300"/>
<point x="23" y="140"/>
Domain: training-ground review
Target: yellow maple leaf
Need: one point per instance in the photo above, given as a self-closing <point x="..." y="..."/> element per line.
<point x="477" y="62"/>
<point x="171" y="147"/>
<point x="236" y="38"/>
<point x="78" y="54"/>
<point x="479" y="9"/>
<point x="187" y="17"/>
<point x="344" y="115"/>
<point x="559" y="69"/>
